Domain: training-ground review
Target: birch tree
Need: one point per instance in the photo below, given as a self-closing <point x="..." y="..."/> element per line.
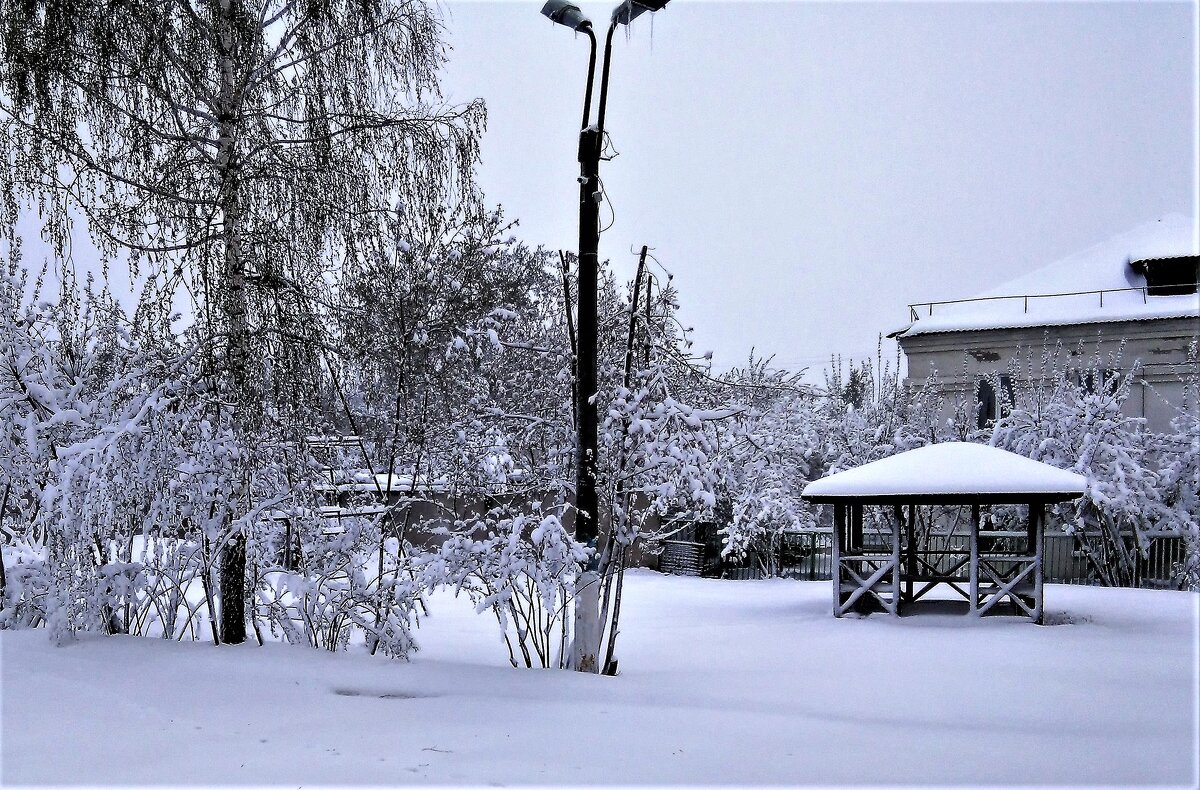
<point x="230" y="149"/>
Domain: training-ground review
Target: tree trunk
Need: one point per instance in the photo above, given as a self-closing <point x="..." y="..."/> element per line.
<point x="3" y="572"/>
<point x="233" y="591"/>
<point x="234" y="309"/>
<point x="587" y="623"/>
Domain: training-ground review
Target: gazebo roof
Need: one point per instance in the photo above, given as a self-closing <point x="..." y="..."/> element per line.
<point x="960" y="472"/>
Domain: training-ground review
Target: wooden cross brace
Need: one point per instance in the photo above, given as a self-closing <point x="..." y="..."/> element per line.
<point x="1006" y="587"/>
<point x="867" y="585"/>
<point x="940" y="577"/>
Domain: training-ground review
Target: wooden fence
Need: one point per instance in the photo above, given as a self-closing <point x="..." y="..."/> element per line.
<point x="809" y="556"/>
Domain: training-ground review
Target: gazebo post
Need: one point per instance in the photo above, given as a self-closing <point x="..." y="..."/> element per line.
<point x="839" y="516"/>
<point x="896" y="566"/>
<point x="1037" y="526"/>
<point x="911" y="528"/>
<point x="974" y="575"/>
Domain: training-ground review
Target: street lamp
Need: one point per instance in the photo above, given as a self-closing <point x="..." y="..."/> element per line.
<point x="628" y="11"/>
<point x="591" y="142"/>
<point x="563" y="13"/>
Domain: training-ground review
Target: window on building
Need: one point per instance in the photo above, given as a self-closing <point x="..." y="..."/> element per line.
<point x="990" y="402"/>
<point x="1170" y="276"/>
<point x="1095" y="380"/>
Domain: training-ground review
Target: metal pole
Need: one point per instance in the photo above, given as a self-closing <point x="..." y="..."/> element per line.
<point x="587" y="624"/>
<point x="589" y="243"/>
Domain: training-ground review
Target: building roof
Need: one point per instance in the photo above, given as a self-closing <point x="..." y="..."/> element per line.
<point x="383" y="481"/>
<point x="952" y="472"/>
<point x="1096" y="285"/>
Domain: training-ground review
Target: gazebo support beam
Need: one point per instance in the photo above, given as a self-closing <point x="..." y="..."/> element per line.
<point x="895" y="609"/>
<point x="974" y="569"/>
<point x="1015" y="575"/>
<point x="1037" y="527"/>
<point x="839" y="530"/>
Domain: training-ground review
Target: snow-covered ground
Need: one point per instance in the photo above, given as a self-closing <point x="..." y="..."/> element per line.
<point x="721" y="683"/>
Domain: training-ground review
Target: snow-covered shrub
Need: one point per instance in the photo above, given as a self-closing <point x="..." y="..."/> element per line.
<point x="770" y="452"/>
<point x="791" y="434"/>
<point x="25" y="587"/>
<point x="125" y="477"/>
<point x="523" y="568"/>
<point x="78" y="386"/>
<point x="664" y="452"/>
<point x="1069" y="425"/>
<point x="1178" y="456"/>
<point x="352" y="582"/>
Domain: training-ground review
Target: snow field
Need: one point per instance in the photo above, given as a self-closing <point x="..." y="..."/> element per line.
<point x="721" y="683"/>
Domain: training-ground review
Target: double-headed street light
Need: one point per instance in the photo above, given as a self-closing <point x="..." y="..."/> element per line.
<point x="591" y="141"/>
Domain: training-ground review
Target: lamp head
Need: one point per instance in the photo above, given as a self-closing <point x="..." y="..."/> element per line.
<point x="564" y="13"/>
<point x="629" y="10"/>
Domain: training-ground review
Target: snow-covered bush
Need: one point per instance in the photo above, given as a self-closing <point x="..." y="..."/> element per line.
<point x="356" y="582"/>
<point x="79" y="387"/>
<point x="523" y="568"/>
<point x="125" y="477"/>
<point x="770" y="452"/>
<point x="791" y="434"/>
<point x="24" y="585"/>
<point x="1076" y="422"/>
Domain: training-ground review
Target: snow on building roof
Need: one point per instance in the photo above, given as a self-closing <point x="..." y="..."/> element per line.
<point x="1092" y="286"/>
<point x="383" y="481"/>
<point x="949" y="470"/>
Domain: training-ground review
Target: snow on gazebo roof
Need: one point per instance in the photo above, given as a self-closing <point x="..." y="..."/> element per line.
<point x="950" y="472"/>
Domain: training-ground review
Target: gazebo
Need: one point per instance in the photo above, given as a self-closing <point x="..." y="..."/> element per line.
<point x="888" y="568"/>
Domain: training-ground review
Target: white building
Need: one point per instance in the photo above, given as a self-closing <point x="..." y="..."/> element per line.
<point x="1139" y="287"/>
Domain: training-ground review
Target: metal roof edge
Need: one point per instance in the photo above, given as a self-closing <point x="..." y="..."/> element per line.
<point x="1045" y="324"/>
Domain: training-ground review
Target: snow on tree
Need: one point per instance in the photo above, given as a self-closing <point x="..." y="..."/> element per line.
<point x="1178" y="454"/>
<point x="121" y="481"/>
<point x="233" y="149"/>
<point x="1075" y="421"/>
<point x="771" y="452"/>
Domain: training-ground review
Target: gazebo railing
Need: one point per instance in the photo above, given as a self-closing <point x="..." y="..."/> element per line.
<point x="808" y="556"/>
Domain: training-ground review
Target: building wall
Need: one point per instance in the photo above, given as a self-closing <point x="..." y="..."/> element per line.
<point x="426" y="519"/>
<point x="1158" y="347"/>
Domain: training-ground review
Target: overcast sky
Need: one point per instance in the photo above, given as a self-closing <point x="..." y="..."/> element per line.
<point x="808" y="169"/>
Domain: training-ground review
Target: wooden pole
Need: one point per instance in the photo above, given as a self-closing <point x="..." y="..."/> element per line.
<point x="649" y="340"/>
<point x="896" y="566"/>
<point x="839" y="514"/>
<point x="974" y="559"/>
<point x="912" y="548"/>
<point x="1037" y="523"/>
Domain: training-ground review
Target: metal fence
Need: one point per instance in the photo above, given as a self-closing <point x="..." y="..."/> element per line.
<point x="809" y="556"/>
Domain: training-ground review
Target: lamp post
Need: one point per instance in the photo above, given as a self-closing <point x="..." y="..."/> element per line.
<point x="587" y="626"/>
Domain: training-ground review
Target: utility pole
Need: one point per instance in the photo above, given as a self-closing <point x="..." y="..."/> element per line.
<point x="587" y="625"/>
<point x="587" y="527"/>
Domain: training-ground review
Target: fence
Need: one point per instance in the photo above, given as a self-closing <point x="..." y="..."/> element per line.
<point x="914" y="310"/>
<point x="809" y="556"/>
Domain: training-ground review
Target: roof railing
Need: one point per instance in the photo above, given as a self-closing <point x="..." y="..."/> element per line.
<point x="915" y="309"/>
